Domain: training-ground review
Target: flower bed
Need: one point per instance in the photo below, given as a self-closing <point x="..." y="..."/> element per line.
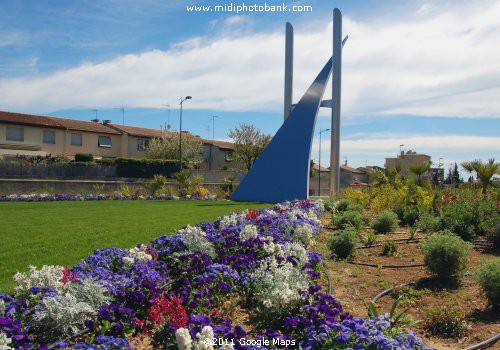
<point x="90" y="197"/>
<point x="185" y="290"/>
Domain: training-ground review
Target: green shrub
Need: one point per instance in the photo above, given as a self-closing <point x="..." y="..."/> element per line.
<point x="328" y="203"/>
<point x="445" y="321"/>
<point x="84" y="157"/>
<point x="409" y="214"/>
<point x="488" y="276"/>
<point x="428" y="222"/>
<point x="385" y="222"/>
<point x="145" y="168"/>
<point x="350" y="218"/>
<point x="458" y="217"/>
<point x="493" y="232"/>
<point x="346" y="205"/>
<point x="370" y="238"/>
<point x="156" y="185"/>
<point x="343" y="245"/>
<point x="446" y="255"/>
<point x="390" y="248"/>
<point x="484" y="214"/>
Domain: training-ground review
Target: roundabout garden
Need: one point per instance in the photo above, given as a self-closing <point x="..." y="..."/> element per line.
<point x="248" y="280"/>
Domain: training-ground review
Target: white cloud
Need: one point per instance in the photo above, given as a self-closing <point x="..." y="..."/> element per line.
<point x="431" y="62"/>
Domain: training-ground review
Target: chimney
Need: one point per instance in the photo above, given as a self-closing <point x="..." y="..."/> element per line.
<point x="95" y="120"/>
<point x="106" y="121"/>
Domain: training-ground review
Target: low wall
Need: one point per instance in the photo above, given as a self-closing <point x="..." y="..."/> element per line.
<point x="15" y="186"/>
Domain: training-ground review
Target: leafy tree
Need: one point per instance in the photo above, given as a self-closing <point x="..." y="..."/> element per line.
<point x="390" y="176"/>
<point x="484" y="171"/>
<point x="249" y="143"/>
<point x="419" y="170"/>
<point x="167" y="147"/>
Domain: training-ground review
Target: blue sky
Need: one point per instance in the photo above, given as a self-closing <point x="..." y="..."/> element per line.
<point x="420" y="73"/>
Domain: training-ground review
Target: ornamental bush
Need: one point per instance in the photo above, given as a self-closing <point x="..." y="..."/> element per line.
<point x="488" y="276"/>
<point x="409" y="214"/>
<point x="346" y="205"/>
<point x="356" y="196"/>
<point x="343" y="245"/>
<point x="385" y="222"/>
<point x="458" y="217"/>
<point x="446" y="255"/>
<point x="349" y="218"/>
<point x="428" y="222"/>
<point x="84" y="157"/>
<point x="445" y="321"/>
<point x="493" y="232"/>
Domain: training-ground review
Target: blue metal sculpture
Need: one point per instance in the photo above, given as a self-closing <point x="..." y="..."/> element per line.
<point x="282" y="171"/>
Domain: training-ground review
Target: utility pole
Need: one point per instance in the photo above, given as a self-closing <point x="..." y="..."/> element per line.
<point x="168" y="126"/>
<point x="123" y="114"/>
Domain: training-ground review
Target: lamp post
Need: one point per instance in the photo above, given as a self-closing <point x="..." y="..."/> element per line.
<point x="319" y="162"/>
<point x="180" y="132"/>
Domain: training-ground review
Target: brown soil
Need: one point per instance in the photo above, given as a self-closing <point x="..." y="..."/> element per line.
<point x="355" y="285"/>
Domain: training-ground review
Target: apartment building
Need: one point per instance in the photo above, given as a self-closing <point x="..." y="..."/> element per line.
<point x="406" y="159"/>
<point x="26" y="134"/>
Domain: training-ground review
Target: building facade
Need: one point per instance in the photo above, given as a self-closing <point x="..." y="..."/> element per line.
<point x="407" y="159"/>
<point x="32" y="135"/>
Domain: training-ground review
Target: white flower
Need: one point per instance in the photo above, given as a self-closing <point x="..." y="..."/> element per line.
<point x="137" y="254"/>
<point x="2" y="307"/>
<point x="277" y="286"/>
<point x="5" y="341"/>
<point x="293" y="249"/>
<point x="249" y="231"/>
<point x="205" y="339"/>
<point x="192" y="230"/>
<point x="183" y="339"/>
<point x="301" y="233"/>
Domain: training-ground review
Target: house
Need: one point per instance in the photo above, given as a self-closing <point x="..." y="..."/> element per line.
<point x="32" y="135"/>
<point x="41" y="135"/>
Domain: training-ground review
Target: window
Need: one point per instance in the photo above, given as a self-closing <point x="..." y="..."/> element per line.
<point x="142" y="144"/>
<point x="49" y="137"/>
<point x="228" y="156"/>
<point x="76" y="139"/>
<point x="104" y="141"/>
<point x="15" y="134"/>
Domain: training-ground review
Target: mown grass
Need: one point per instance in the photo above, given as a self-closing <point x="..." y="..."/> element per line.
<point x="63" y="233"/>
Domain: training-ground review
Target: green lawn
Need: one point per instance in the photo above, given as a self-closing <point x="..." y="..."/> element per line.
<point x="62" y="233"/>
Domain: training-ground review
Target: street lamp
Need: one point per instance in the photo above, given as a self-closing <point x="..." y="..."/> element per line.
<point x="180" y="132"/>
<point x="319" y="162"/>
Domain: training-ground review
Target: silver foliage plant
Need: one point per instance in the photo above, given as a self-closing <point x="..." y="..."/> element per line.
<point x="65" y="314"/>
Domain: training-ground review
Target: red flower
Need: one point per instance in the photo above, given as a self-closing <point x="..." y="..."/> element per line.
<point x="69" y="276"/>
<point x="164" y="310"/>
<point x="252" y="214"/>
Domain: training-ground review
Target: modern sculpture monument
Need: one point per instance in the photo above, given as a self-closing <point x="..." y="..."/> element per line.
<point x="282" y="171"/>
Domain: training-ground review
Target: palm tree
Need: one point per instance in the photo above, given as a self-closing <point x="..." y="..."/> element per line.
<point x="484" y="171"/>
<point x="419" y="170"/>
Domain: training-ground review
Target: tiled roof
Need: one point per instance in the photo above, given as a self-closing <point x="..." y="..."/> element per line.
<point x="220" y="144"/>
<point x="54" y="122"/>
<point x="137" y="131"/>
<point x="350" y="169"/>
<point x="73" y="124"/>
<point x="28" y="119"/>
<point x="323" y="169"/>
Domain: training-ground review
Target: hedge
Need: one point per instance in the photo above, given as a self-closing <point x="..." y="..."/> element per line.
<point x="145" y="168"/>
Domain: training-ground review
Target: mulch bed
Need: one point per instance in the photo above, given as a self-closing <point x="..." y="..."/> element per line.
<point x="355" y="285"/>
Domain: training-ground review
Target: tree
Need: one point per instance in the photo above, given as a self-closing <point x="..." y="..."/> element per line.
<point x="419" y="170"/>
<point x="249" y="143"/>
<point x="484" y="171"/>
<point x="167" y="147"/>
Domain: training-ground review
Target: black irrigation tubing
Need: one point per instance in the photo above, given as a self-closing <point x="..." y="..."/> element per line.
<point x="330" y="284"/>
<point x="385" y="266"/>
<point x="387" y="291"/>
<point x="482" y="345"/>
<point x="404" y="240"/>
<point x="485" y="344"/>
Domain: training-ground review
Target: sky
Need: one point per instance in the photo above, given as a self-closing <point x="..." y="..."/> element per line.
<point x="424" y="74"/>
